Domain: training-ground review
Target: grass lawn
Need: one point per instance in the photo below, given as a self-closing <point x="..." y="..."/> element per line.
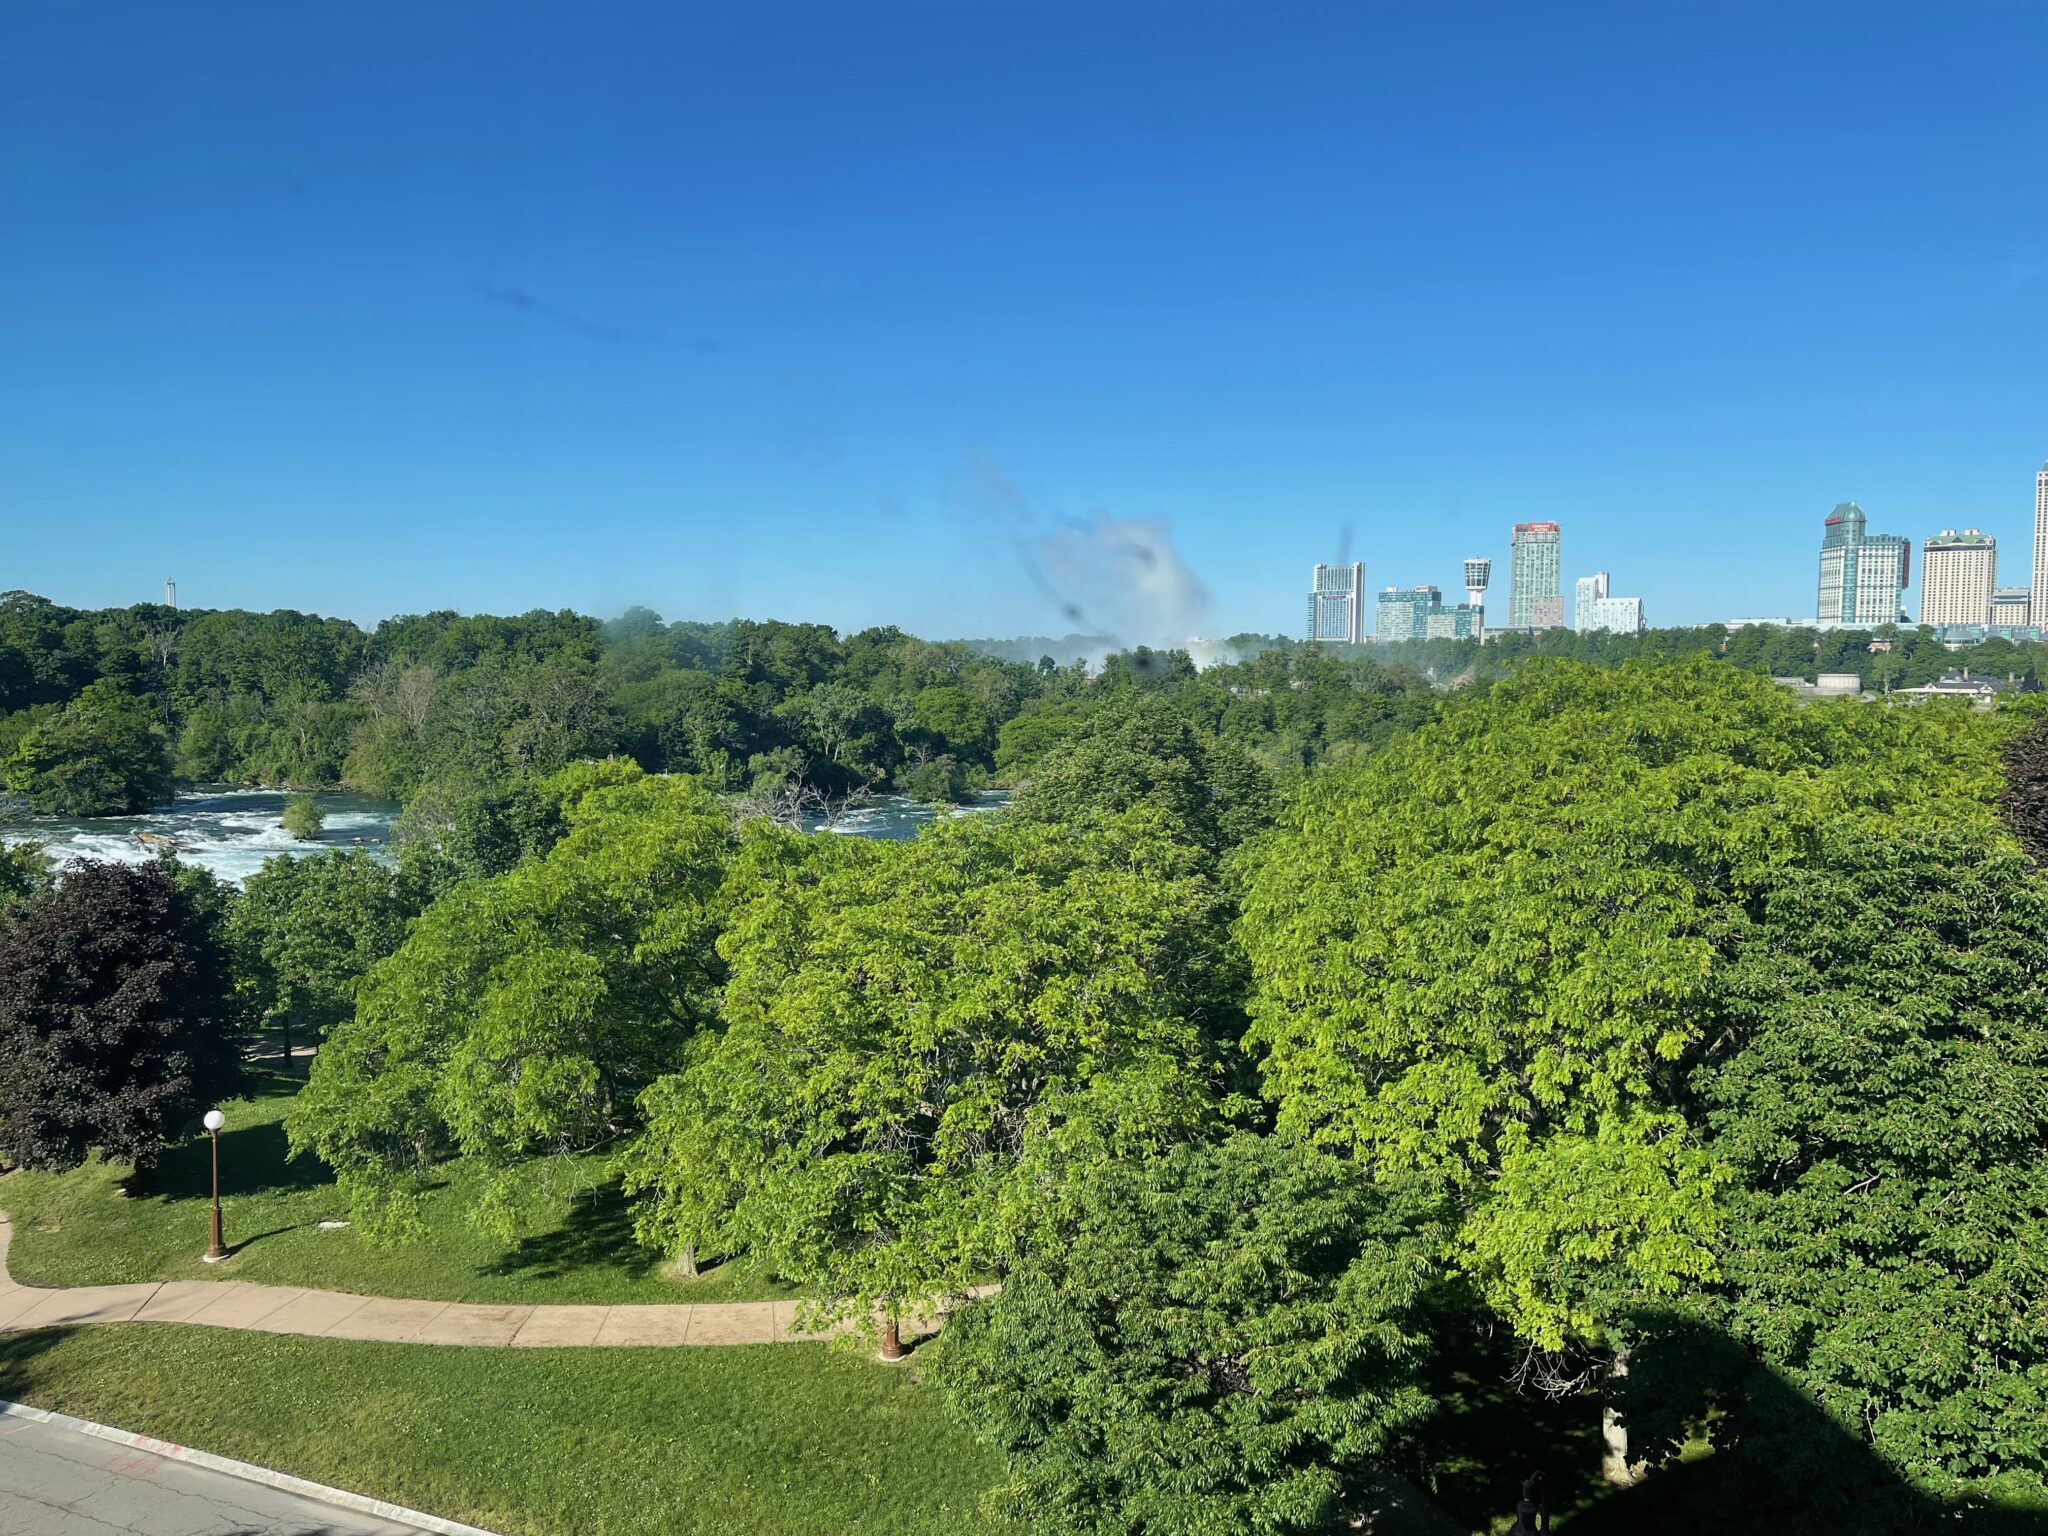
<point x="99" y="1225"/>
<point x="771" y="1440"/>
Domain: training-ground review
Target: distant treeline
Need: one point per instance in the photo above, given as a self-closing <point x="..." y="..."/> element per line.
<point x="1895" y="656"/>
<point x="100" y="710"/>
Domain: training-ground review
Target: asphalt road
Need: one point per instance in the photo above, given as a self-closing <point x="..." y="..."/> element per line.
<point x="58" y="1482"/>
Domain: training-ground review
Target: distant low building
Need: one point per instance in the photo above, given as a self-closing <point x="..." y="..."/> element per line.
<point x="1828" y="685"/>
<point x="2011" y="608"/>
<point x="1733" y="624"/>
<point x="1979" y="690"/>
<point x="1461" y="621"/>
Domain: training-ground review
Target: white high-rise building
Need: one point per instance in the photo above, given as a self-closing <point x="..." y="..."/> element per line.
<point x="1958" y="573"/>
<point x="1594" y="609"/>
<point x="1336" y="603"/>
<point x="2037" y="603"/>
<point x="2010" y="608"/>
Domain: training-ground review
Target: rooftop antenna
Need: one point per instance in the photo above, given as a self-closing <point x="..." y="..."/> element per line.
<point x="170" y="593"/>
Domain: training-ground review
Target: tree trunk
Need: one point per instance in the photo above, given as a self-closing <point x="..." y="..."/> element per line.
<point x="284" y="1028"/>
<point x="1615" y="1467"/>
<point x="892" y="1340"/>
<point x="686" y="1262"/>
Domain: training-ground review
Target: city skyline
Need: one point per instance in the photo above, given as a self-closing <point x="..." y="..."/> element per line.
<point x="1863" y="576"/>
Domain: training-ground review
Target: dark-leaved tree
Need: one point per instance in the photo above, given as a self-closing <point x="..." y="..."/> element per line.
<point x="117" y="1024"/>
<point x="2023" y="800"/>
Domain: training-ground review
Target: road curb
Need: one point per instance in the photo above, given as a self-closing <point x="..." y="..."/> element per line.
<point x="247" y="1471"/>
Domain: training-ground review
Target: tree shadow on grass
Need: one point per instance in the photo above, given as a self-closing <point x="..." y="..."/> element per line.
<point x="1778" y="1464"/>
<point x="597" y="1234"/>
<point x="1487" y="1435"/>
<point x="253" y="1160"/>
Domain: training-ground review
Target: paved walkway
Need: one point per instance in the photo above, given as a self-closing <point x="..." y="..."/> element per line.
<point x="339" y="1315"/>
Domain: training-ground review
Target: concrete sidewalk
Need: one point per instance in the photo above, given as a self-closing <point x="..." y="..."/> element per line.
<point x="339" y="1315"/>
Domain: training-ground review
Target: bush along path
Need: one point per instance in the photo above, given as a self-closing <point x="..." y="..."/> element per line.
<point x="340" y="1315"/>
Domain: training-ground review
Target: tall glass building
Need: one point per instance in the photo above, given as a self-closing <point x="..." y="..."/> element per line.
<point x="1862" y="574"/>
<point x="1336" y="603"/>
<point x="1535" y="577"/>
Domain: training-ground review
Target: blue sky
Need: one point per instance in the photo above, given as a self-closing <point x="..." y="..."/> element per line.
<point x="932" y="314"/>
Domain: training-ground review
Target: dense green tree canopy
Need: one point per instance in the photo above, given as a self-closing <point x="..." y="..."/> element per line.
<point x="447" y="706"/>
<point x="1488" y="953"/>
<point x="102" y="754"/>
<point x="1222" y="1339"/>
<point x="525" y="1012"/>
<point x="1140" y="751"/>
<point x="305" y="931"/>
<point x="1881" y="1099"/>
<point x="907" y="1025"/>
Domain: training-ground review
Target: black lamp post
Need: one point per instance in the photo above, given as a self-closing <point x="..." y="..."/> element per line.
<point x="215" y="1250"/>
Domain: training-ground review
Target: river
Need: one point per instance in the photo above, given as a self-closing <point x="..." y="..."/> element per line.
<point x="230" y="831"/>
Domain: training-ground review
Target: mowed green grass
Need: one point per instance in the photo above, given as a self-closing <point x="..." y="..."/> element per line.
<point x="770" y="1440"/>
<point x="100" y="1225"/>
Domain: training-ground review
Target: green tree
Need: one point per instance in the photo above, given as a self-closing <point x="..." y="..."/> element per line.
<point x="1139" y="751"/>
<point x="117" y="1022"/>
<point x="908" y="1025"/>
<point x="306" y="931"/>
<point x="935" y="780"/>
<point x="1489" y="953"/>
<point x="1881" y="1098"/>
<point x="103" y="754"/>
<point x="524" y="1013"/>
<point x="954" y="717"/>
<point x="24" y="875"/>
<point x="303" y="817"/>
<point x="1224" y="1338"/>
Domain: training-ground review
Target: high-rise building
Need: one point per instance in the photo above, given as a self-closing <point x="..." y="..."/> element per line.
<point x="170" y="593"/>
<point x="1593" y="608"/>
<point x="1336" y="603"/>
<point x="1862" y="574"/>
<point x="2037" y="604"/>
<point x="2011" y="608"/>
<point x="1404" y="613"/>
<point x="1535" y="597"/>
<point x="1958" y="573"/>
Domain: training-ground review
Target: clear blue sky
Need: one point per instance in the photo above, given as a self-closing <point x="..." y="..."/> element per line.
<point x="932" y="313"/>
